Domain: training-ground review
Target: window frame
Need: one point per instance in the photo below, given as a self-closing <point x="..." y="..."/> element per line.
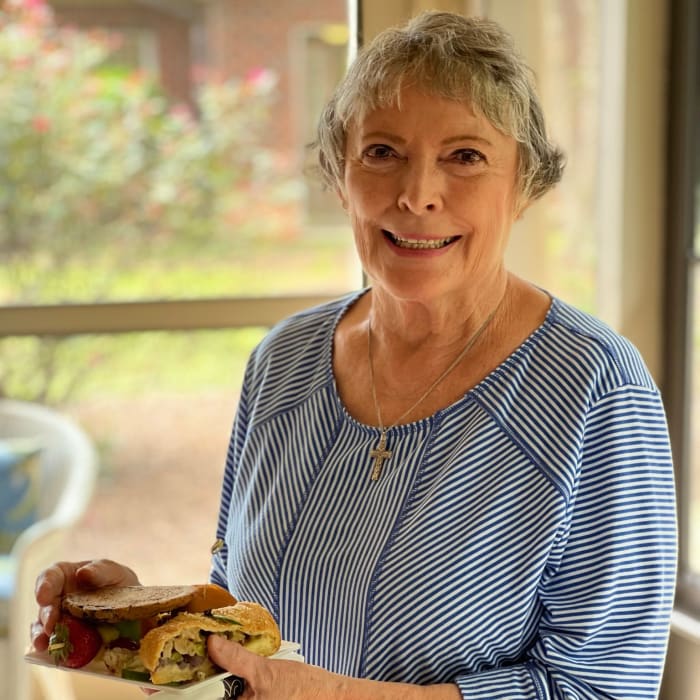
<point x="683" y="175"/>
<point x="228" y="312"/>
<point x="151" y="315"/>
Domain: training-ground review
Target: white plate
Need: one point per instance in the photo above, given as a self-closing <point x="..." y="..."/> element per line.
<point x="288" y="650"/>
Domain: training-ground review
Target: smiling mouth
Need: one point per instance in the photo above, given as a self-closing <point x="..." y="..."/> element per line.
<point x="419" y="244"/>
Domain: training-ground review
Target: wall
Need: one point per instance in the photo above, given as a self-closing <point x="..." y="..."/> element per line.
<point x="264" y="39"/>
<point x="172" y="32"/>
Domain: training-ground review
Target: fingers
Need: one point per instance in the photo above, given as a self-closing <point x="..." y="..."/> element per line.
<point x="232" y="657"/>
<point x="39" y="639"/>
<point x="65" y="577"/>
<point x="225" y="654"/>
<point x="255" y="675"/>
<point x="50" y="586"/>
<point x="271" y="679"/>
<point x="56" y="580"/>
<point x="104" y="572"/>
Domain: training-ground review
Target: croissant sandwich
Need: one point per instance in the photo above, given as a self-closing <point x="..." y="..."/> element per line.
<point x="176" y="651"/>
<point x="104" y="627"/>
<point x="157" y="634"/>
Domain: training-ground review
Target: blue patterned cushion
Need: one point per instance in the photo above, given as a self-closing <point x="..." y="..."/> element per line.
<point x="19" y="488"/>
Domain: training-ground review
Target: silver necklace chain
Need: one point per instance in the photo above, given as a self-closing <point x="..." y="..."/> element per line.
<point x="380" y="454"/>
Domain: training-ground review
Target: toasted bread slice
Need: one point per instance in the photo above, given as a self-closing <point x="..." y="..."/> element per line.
<point x="117" y="603"/>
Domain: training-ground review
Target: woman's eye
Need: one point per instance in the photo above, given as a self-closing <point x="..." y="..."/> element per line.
<point x="378" y="152"/>
<point x="468" y="156"/>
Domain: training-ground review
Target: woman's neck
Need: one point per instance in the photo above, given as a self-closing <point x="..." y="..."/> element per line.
<point x="438" y="323"/>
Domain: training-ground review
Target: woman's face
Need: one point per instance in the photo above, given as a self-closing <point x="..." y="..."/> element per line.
<point x="431" y="192"/>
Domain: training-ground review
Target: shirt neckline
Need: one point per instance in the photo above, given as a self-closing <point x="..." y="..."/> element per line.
<point x="347" y="302"/>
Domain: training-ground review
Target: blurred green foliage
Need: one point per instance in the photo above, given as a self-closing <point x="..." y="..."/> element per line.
<point x="101" y="174"/>
<point x="95" y="156"/>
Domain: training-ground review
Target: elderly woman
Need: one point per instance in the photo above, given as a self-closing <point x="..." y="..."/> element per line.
<point x="450" y="484"/>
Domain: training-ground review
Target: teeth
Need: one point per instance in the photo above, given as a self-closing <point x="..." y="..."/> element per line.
<point x="429" y="244"/>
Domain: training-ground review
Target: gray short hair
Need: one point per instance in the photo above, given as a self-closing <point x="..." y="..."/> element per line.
<point x="467" y="59"/>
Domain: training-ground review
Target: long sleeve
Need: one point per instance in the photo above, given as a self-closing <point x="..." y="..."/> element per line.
<point x="608" y="588"/>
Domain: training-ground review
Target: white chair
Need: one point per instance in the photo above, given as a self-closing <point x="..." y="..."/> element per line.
<point x="68" y="472"/>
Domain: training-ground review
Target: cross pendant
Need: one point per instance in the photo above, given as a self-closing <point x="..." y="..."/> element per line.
<point x="378" y="455"/>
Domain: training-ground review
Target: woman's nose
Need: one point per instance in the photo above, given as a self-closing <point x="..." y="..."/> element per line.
<point x="421" y="188"/>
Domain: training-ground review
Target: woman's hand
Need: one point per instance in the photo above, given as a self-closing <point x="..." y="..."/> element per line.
<point x="66" y="577"/>
<point x="272" y="679"/>
<point x="265" y="678"/>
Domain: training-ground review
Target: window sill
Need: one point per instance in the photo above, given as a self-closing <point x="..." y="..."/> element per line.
<point x="686" y="626"/>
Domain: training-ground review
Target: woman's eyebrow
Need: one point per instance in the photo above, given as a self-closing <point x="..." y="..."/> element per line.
<point x="449" y="140"/>
<point x="384" y="135"/>
<point x="467" y="137"/>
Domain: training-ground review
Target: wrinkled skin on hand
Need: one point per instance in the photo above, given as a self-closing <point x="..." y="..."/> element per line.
<point x="272" y="679"/>
<point x="67" y="577"/>
<point x="269" y="678"/>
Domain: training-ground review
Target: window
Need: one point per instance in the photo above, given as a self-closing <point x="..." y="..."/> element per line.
<point x="162" y="194"/>
<point x="154" y="221"/>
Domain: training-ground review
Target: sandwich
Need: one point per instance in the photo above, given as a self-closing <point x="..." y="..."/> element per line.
<point x="176" y="651"/>
<point x="105" y="627"/>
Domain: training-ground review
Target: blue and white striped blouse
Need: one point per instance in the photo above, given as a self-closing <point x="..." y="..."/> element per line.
<point x="520" y="543"/>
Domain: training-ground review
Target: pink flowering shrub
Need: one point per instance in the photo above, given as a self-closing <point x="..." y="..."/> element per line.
<point x="96" y="162"/>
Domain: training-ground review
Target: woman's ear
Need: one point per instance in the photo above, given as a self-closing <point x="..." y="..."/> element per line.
<point x="342" y="196"/>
